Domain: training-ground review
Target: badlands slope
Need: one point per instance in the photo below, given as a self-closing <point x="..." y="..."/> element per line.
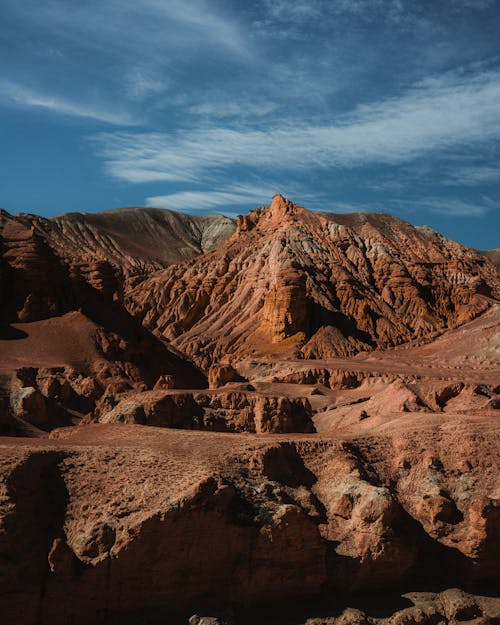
<point x="291" y="422"/>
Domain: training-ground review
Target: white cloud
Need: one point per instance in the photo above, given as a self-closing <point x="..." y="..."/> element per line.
<point x="140" y="84"/>
<point x="474" y="175"/>
<point x="447" y="112"/>
<point x="21" y="97"/>
<point x="452" y="207"/>
<point x="233" y="108"/>
<point x="203" y="200"/>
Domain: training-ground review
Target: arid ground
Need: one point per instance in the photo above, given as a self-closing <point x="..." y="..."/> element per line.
<point x="288" y="419"/>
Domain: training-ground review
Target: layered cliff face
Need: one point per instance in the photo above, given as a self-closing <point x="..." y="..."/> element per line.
<point x="318" y="285"/>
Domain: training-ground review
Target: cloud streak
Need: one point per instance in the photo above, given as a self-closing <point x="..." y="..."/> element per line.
<point x="206" y="200"/>
<point x="136" y="25"/>
<point x="449" y="111"/>
<point x="18" y="96"/>
<point x="452" y="207"/>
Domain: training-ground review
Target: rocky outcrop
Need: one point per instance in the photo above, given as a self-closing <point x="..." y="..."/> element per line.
<point x="221" y="374"/>
<point x="318" y="285"/>
<point x="222" y="411"/>
<point x="208" y="522"/>
<point x="97" y="367"/>
<point x="285" y="314"/>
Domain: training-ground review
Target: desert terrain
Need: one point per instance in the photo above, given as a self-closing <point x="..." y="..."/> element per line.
<point x="289" y="418"/>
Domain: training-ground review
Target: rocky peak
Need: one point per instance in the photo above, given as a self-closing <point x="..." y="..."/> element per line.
<point x="282" y="212"/>
<point x="281" y="205"/>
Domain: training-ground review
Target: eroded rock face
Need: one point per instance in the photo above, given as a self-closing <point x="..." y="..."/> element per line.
<point x="291" y="281"/>
<point x="309" y="481"/>
<point x="223" y="411"/>
<point x="215" y="521"/>
<point x="220" y="374"/>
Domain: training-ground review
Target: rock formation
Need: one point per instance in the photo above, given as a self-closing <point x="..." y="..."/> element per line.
<point x="203" y="522"/>
<point x="314" y="284"/>
<point x="291" y="422"/>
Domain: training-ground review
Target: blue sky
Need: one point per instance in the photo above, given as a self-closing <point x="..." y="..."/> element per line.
<point x="215" y="105"/>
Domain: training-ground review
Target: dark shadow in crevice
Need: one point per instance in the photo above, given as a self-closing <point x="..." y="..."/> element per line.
<point x="321" y="317"/>
<point x="40" y="500"/>
<point x="10" y="333"/>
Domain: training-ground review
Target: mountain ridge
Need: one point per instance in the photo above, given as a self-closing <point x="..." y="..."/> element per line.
<point x="293" y="279"/>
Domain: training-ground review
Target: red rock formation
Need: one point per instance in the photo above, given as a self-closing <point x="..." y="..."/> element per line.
<point x="291" y="281"/>
<point x="204" y="521"/>
<point x="222" y="411"/>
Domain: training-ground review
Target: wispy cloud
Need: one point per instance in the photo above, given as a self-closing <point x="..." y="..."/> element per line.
<point x="137" y="25"/>
<point x="222" y="108"/>
<point x="22" y="97"/>
<point x="205" y="200"/>
<point x="473" y="175"/>
<point x="447" y="112"/>
<point x="452" y="207"/>
<point x="141" y="83"/>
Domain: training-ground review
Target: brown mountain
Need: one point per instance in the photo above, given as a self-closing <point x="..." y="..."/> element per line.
<point x="61" y="311"/>
<point x="133" y="238"/>
<point x="315" y="285"/>
<point x="493" y="256"/>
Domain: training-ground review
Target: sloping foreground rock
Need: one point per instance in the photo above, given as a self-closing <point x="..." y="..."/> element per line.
<point x="129" y="524"/>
